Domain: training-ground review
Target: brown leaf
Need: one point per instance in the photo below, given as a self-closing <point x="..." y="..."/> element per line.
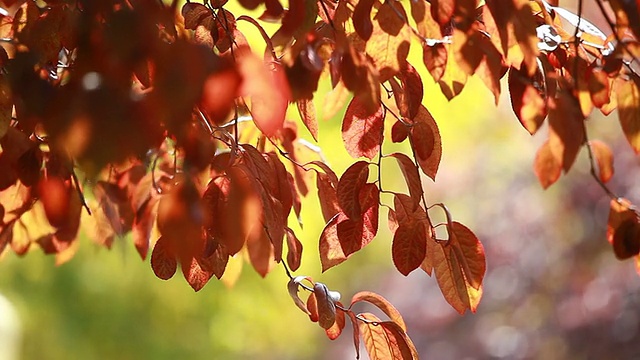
<point x="361" y="130"/>
<point x="409" y="93"/>
<point x="442" y="10"/>
<point x="623" y="229"/>
<point x="469" y="252"/>
<point x="362" y="19"/>
<point x="399" y="132"/>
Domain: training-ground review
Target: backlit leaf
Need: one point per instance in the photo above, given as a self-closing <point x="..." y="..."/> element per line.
<point x="628" y="98"/>
<point x="355" y="234"/>
<point x="527" y="101"/>
<point x="362" y="19"/>
<point x="450" y="278"/>
<point x="409" y="247"/>
<point x="382" y="304"/>
<point x="389" y="42"/>
<point x="331" y="253"/>
<point x="442" y="10"/>
<point x="470" y="256"/>
<point x="336" y="329"/>
<point x="604" y="158"/>
<point x="404" y="348"/>
<point x="292" y="287"/>
<point x="547" y="168"/>
<point x="327" y="196"/>
<point x="195" y="275"/>
<point x="308" y="115"/>
<point x="362" y="131"/>
<point x="566" y="129"/>
<point x="351" y="182"/>
<point x="429" y="161"/>
<point x="294" y="253"/>
<point x="411" y="175"/>
<point x="384" y="339"/>
<point x="409" y="95"/>
<point x="163" y="260"/>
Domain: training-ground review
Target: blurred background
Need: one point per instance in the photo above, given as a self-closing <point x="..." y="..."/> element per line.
<point x="553" y="289"/>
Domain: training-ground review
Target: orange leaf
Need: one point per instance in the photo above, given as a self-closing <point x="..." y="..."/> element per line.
<point x="450" y="278"/>
<point x="453" y="78"/>
<point x="566" y="129"/>
<point x="356" y="332"/>
<point x="361" y="130"/>
<point x="382" y="304"/>
<point x="336" y="329"/>
<point x="331" y="253"/>
<point x="604" y="159"/>
<point x="526" y="100"/>
<point x="327" y="196"/>
<point x="163" y="260"/>
<point x="599" y="88"/>
<point x="442" y="10"/>
<point x="546" y="166"/>
<point x="628" y="98"/>
<point x="260" y="250"/>
<point x="389" y="42"/>
<point x="351" y="182"/>
<point x="384" y="340"/>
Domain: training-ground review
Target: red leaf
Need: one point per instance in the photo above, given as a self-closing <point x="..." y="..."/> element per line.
<point x="308" y="115"/>
<point x="546" y="166"/>
<point x="215" y="258"/>
<point x="450" y="278"/>
<point x="312" y="307"/>
<point x="412" y="91"/>
<point x="331" y="253"/>
<point x="195" y="275"/>
<point x="403" y="347"/>
<point x="361" y="130"/>
<point x="409" y="247"/>
<point x="327" y="196"/>
<point x="362" y="19"/>
<point x="604" y="158"/>
<point x="429" y="161"/>
<point x="294" y="254"/>
<point x="410" y="173"/>
<point x="470" y="253"/>
<point x="382" y="304"/>
<point x="194" y="14"/>
<point x="399" y="132"/>
<point x="349" y="186"/>
<point x="435" y="59"/>
<point x="143" y="226"/>
<point x="442" y="10"/>
<point x="163" y="260"/>
<point x="356" y="234"/>
<point x="55" y="196"/>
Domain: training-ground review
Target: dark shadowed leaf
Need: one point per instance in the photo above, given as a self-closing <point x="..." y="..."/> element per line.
<point x="163" y="260"/>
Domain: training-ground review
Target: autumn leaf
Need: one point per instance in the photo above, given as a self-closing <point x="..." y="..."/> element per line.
<point x="527" y="101"/>
<point x="349" y="187"/>
<point x="411" y="175"/>
<point x="336" y="329"/>
<point x="566" y="129"/>
<point x="382" y="304"/>
<point x="546" y="167"/>
<point x="361" y="131"/>
<point x="604" y="158"/>
<point x="331" y="253"/>
<point x="390" y="39"/>
<point x="326" y="306"/>
<point x="308" y="115"/>
<point x="293" y="287"/>
<point x="409" y="247"/>
<point x="362" y="19"/>
<point x="195" y="275"/>
<point x="623" y="229"/>
<point x="163" y="260"/>
<point x="422" y="136"/>
<point x="384" y="340"/>
<point x="355" y="234"/>
<point x="470" y="253"/>
<point x="628" y="98"/>
<point x="294" y="252"/>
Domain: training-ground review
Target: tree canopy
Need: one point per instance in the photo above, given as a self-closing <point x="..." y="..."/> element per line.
<point x="160" y="121"/>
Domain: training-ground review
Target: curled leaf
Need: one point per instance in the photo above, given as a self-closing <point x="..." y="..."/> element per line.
<point x="292" y="286"/>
